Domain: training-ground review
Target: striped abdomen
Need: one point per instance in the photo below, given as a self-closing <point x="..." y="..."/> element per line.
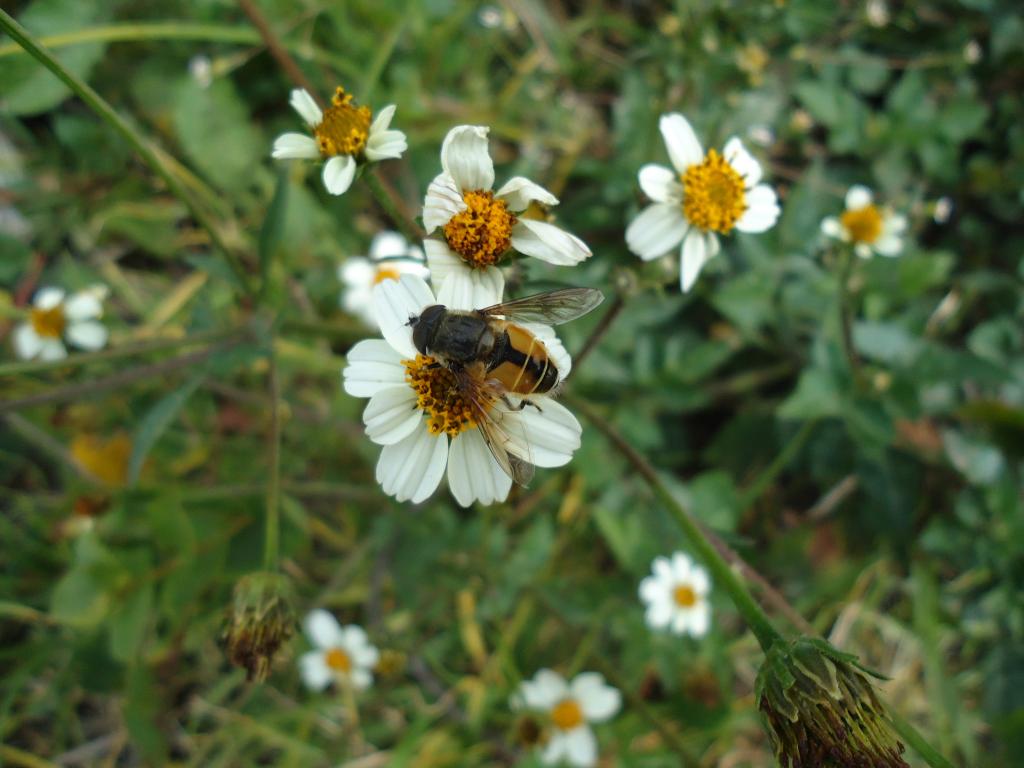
<point x="520" y="362"/>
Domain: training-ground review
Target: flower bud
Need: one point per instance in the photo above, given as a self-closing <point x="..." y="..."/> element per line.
<point x="822" y="711"/>
<point x="259" y="622"/>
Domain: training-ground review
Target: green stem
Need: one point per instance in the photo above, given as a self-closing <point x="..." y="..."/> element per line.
<point x="271" y="544"/>
<point x="386" y="201"/>
<point x="766" y="478"/>
<point x="723" y="574"/>
<point x="917" y="742"/>
<point x="846" y="311"/>
<point x="99" y="105"/>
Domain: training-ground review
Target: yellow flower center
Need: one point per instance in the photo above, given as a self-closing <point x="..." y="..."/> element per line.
<point x="713" y="194"/>
<point x="567" y="714"/>
<point x="386" y="273"/>
<point x="107" y="458"/>
<point x="483" y="232"/>
<point x="864" y="225"/>
<point x="438" y="395"/>
<point x="49" y="323"/>
<point x="344" y="128"/>
<point x="684" y="596"/>
<point x="338" y="660"/>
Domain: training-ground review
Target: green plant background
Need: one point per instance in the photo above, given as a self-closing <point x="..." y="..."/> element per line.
<point x="889" y="513"/>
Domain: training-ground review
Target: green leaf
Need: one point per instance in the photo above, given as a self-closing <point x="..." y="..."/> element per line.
<point x="129" y="622"/>
<point x="816" y="396"/>
<point x="156" y="421"/>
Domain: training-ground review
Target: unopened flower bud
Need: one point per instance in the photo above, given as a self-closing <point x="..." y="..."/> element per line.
<point x="259" y="622"/>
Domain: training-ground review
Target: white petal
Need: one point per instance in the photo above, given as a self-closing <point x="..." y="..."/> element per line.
<point x="465" y="158"/>
<point x="443" y="201"/>
<point x="742" y="161"/>
<point x="699" y="581"/>
<point x="48" y="298"/>
<point x="388" y="245"/>
<point x="471" y="288"/>
<point x="410" y="470"/>
<point x="295" y="146"/>
<point x="84" y="305"/>
<point x="353" y="639"/>
<point x="598" y="700"/>
<point x="518" y="192"/>
<point x="681" y="622"/>
<point x="700" y="619"/>
<point x="357" y="272"/>
<point x="830" y="227"/>
<point x="694" y="255"/>
<point x="662" y="569"/>
<point x="651" y="589"/>
<point x="314" y="670"/>
<point x="762" y="210"/>
<point x="659" y="614"/>
<point x="858" y="197"/>
<point x="895" y="223"/>
<point x="365" y="656"/>
<point x="544" y="691"/>
<point x="322" y="629"/>
<point x="657" y="230"/>
<point x="681" y="142"/>
<point x="361" y="679"/>
<point x="52" y="349"/>
<point x="889" y="245"/>
<point x="581" y="747"/>
<point x="556" y="749"/>
<point x="338" y="174"/>
<point x="473" y="474"/>
<point x="551" y="433"/>
<point x="307" y="107"/>
<point x="383" y="119"/>
<point x="661" y="185"/>
<point x="555" y="349"/>
<point x="394" y="304"/>
<point x="27" y="343"/>
<point x="381" y="143"/>
<point x="681" y="567"/>
<point x="392" y="415"/>
<point x="87" y="334"/>
<point x="548" y="243"/>
<point x="863" y="250"/>
<point x="373" y="365"/>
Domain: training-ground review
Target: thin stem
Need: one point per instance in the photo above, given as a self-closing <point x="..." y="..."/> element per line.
<point x="277" y="50"/>
<point x="600" y="330"/>
<point x="723" y="574"/>
<point x="100" y="106"/>
<point x="917" y="742"/>
<point x="846" y="311"/>
<point x="271" y="543"/>
<point x="766" y="478"/>
<point x="33" y="435"/>
<point x="387" y="199"/>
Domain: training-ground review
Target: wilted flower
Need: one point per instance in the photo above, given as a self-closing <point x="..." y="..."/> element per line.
<point x="105" y="457"/>
<point x="676" y="596"/>
<point x="822" y="710"/>
<point x="391" y="256"/>
<point x="259" y="623"/>
<point x="704" y="196"/>
<point x="868" y="227"/>
<point x="343" y="135"/>
<point x="571" y="708"/>
<point x="480" y="225"/>
<point x="342" y="654"/>
<point x="54" y="318"/>
<point x="424" y="422"/>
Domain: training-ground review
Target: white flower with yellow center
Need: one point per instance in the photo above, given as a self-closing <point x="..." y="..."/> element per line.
<point x="343" y="135"/>
<point x="677" y="596"/>
<point x="391" y="256"/>
<point x="55" y="317"/>
<point x="480" y="226"/>
<point x="423" y="421"/>
<point x="341" y="655"/>
<point x="703" y="197"/>
<point x="868" y="227"/>
<point x="571" y="708"/>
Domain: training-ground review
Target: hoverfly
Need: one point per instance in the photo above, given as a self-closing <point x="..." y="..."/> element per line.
<point x="493" y="357"/>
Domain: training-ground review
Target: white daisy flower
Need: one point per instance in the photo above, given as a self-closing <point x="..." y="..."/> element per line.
<point x="571" y="708"/>
<point x="391" y="256"/>
<point x="870" y="228"/>
<point x="677" y="596"/>
<point x="704" y="196"/>
<point x="425" y="424"/>
<point x="343" y="135"/>
<point x="55" y="317"/>
<point x="342" y="654"/>
<point x="480" y="225"/>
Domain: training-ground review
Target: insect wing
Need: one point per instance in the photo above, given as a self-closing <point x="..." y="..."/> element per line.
<point x="511" y="451"/>
<point x="551" y="308"/>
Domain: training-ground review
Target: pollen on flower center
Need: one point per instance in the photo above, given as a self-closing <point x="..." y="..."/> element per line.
<point x="684" y="596"/>
<point x="713" y="194"/>
<point x="49" y="323"/>
<point x="482" y="232"/>
<point x="567" y="714"/>
<point x="338" y="660"/>
<point x="438" y="395"/>
<point x="386" y="273"/>
<point x="864" y="225"/>
<point x="344" y="128"/>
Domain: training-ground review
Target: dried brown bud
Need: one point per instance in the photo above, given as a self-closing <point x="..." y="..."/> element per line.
<point x="822" y="711"/>
<point x="259" y="622"/>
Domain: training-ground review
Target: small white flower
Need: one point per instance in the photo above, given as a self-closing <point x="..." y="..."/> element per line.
<point x="343" y="135"/>
<point x="391" y="256"/>
<point x="418" y="415"/>
<point x="702" y="196"/>
<point x="868" y="227"/>
<point x="571" y="708"/>
<point x="943" y="210"/>
<point x="342" y="654"/>
<point x="480" y="225"/>
<point x="55" y="318"/>
<point x="677" y="596"/>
